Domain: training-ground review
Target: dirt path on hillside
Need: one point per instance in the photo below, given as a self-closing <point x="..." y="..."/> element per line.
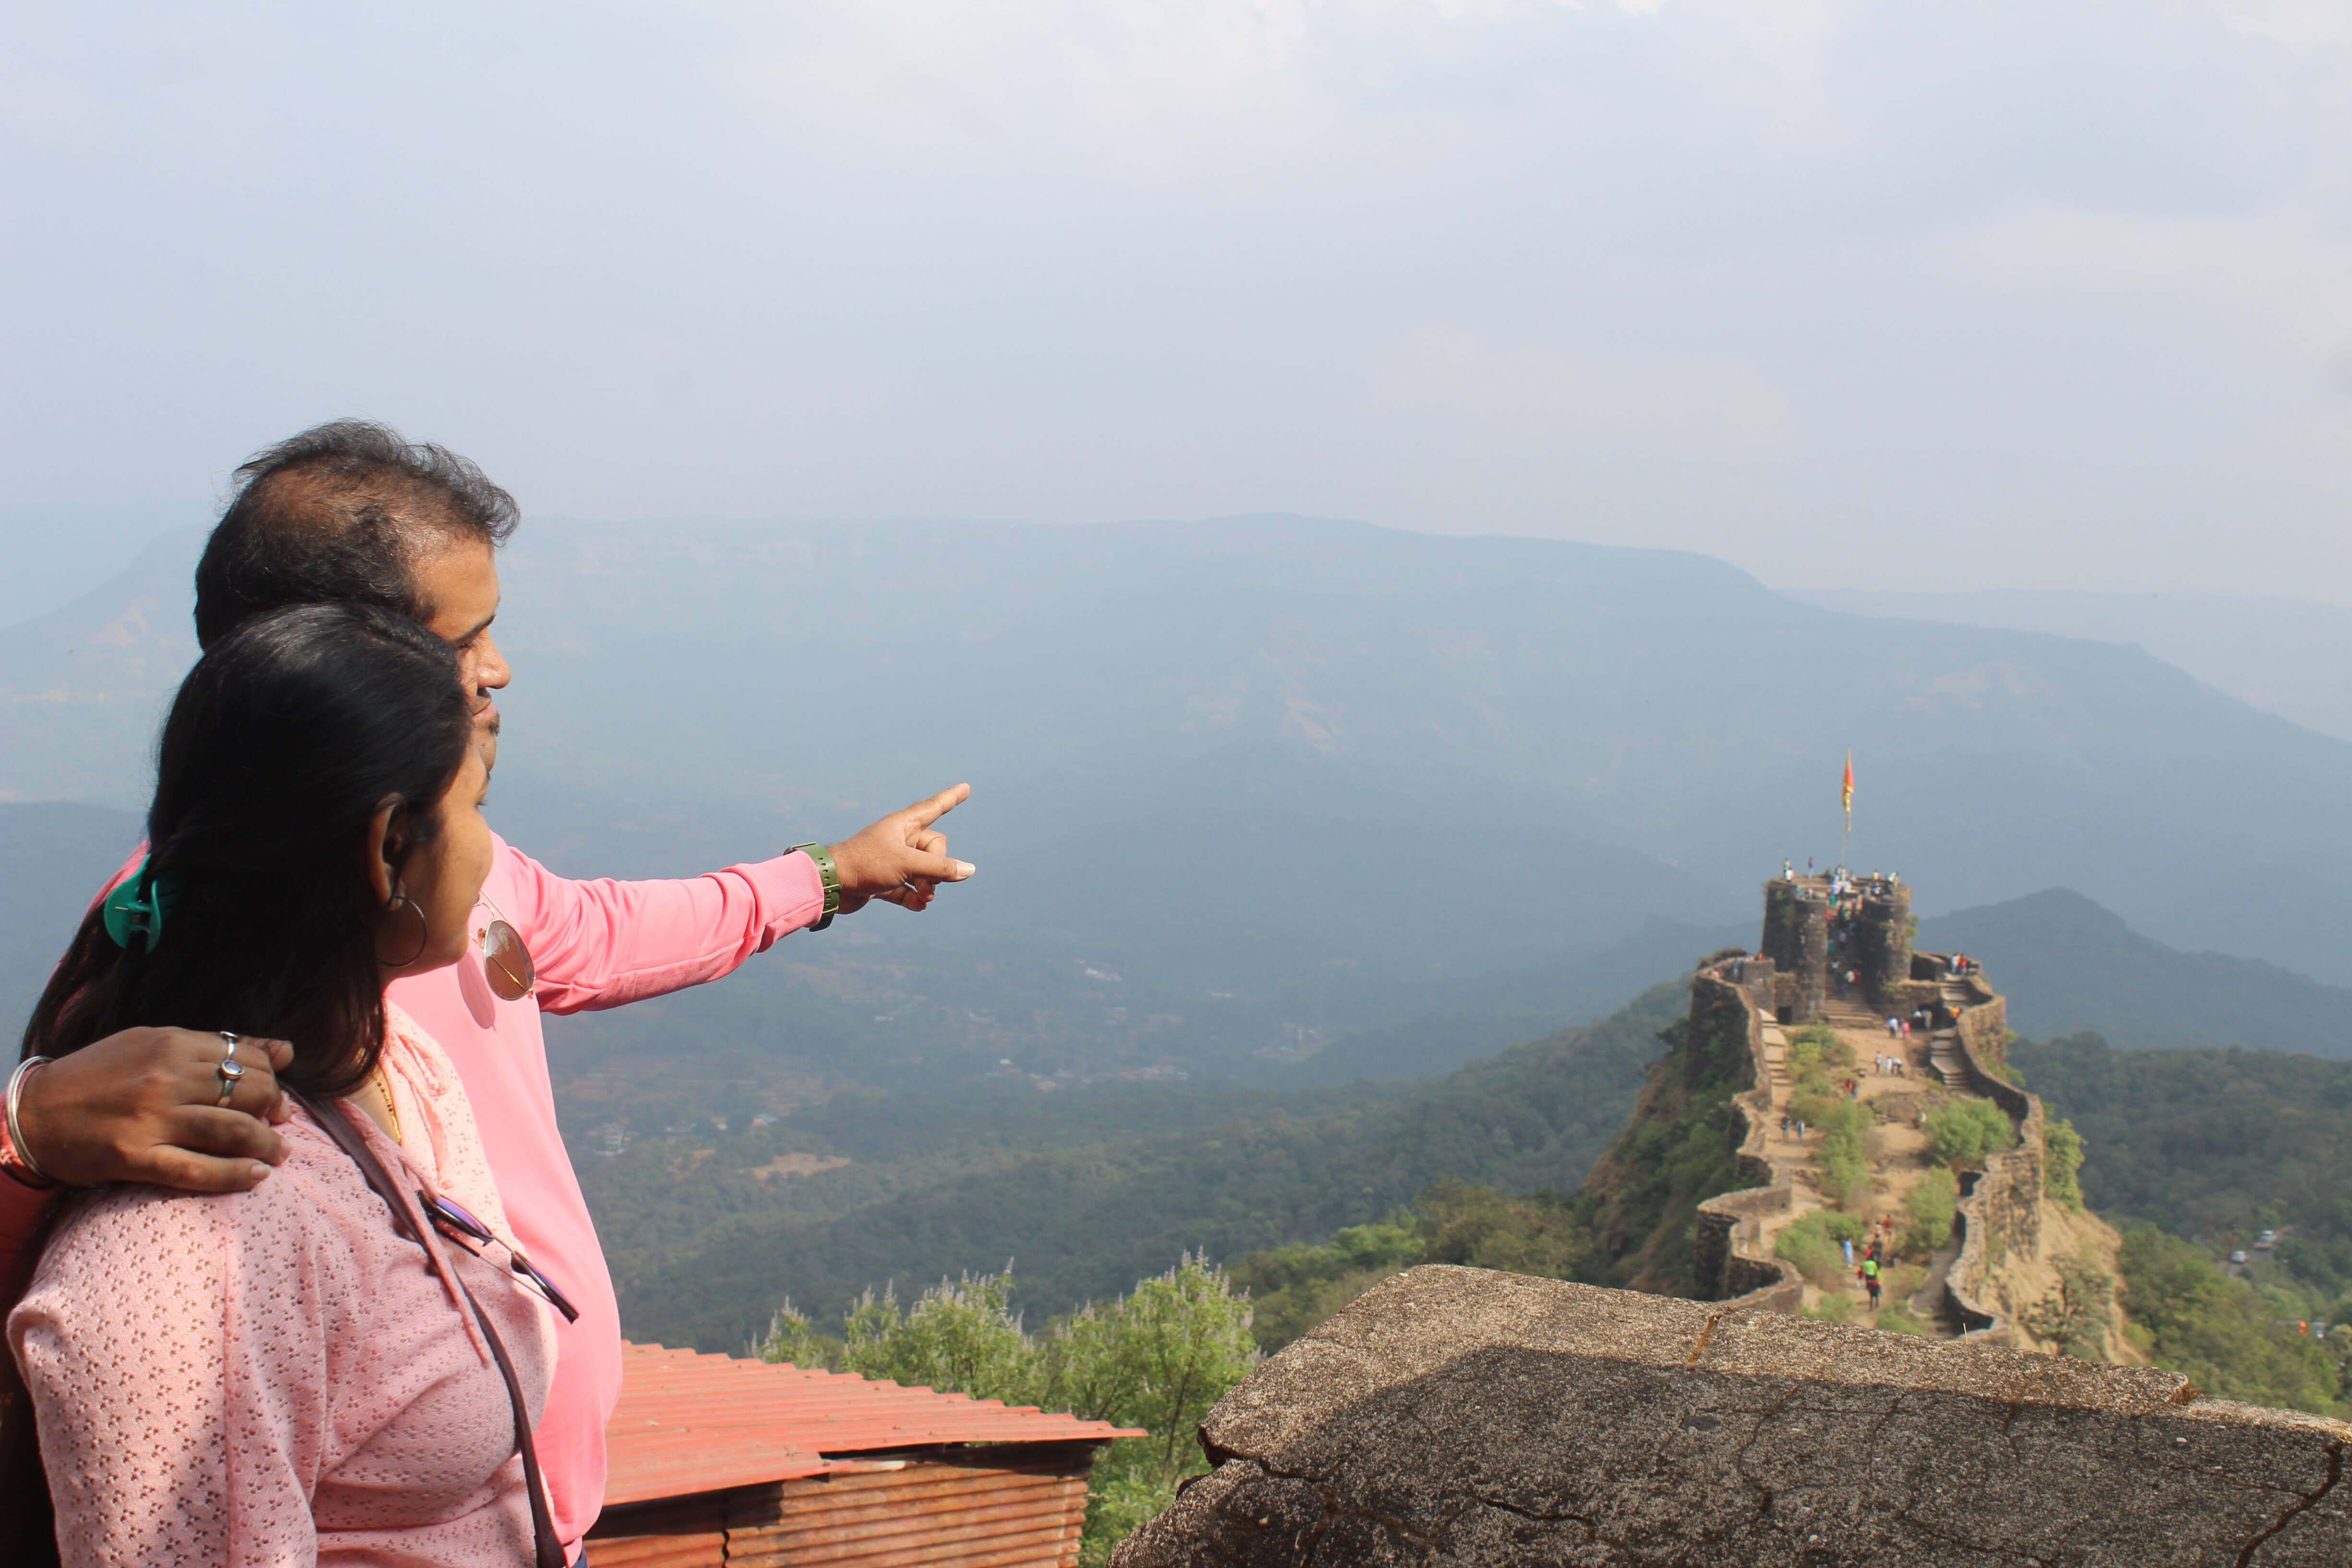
<point x="1898" y="1154"/>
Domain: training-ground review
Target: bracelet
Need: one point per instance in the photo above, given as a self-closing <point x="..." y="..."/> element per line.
<point x="20" y="1162"/>
<point x="828" y="874"/>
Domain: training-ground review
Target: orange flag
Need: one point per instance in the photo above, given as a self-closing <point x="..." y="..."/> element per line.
<point x="1846" y="795"/>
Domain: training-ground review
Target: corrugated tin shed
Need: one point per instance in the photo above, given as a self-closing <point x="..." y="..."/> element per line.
<point x="721" y="1461"/>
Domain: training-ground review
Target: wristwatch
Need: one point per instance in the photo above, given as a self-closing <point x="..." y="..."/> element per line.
<point x="828" y="874"/>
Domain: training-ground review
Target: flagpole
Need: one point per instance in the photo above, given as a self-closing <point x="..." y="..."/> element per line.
<point x="1845" y="798"/>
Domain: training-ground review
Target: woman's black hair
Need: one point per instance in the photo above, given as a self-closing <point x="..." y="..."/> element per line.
<point x="284" y="742"/>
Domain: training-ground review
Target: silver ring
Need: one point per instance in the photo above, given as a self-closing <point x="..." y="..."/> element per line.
<point x="231" y="1071"/>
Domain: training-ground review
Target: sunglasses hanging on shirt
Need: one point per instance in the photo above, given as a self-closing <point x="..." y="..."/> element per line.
<point x="506" y="961"/>
<point x="456" y="1223"/>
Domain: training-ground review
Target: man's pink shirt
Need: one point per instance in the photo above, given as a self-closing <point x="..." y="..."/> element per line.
<point x="595" y="944"/>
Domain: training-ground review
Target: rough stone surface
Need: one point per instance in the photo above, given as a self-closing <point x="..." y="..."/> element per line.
<point x="1797" y="941"/>
<point x="1457" y="1416"/>
<point x="1882" y="942"/>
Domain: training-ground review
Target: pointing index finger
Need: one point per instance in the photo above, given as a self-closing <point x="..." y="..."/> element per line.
<point x="926" y="812"/>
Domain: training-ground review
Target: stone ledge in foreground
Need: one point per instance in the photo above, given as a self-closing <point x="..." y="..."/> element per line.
<point x="1459" y="1415"/>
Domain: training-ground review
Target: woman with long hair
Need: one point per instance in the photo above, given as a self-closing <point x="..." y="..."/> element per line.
<point x="331" y="1366"/>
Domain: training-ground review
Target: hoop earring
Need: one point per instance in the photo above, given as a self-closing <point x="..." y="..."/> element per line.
<point x="424" y="931"/>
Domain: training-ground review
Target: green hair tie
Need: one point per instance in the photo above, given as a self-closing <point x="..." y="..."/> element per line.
<point x="134" y="911"/>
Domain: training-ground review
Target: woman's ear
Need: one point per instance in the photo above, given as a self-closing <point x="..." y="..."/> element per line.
<point x="387" y="846"/>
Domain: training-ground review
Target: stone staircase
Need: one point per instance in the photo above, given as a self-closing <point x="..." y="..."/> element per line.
<point x="1944" y="1055"/>
<point x="1844" y="1013"/>
<point x="1776" y="1061"/>
<point x="1944" y="1045"/>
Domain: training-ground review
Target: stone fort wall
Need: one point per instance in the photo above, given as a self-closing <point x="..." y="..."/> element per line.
<point x="1732" y="997"/>
<point x="1797" y="923"/>
<point x="2002" y="1215"/>
<point x="1729" y="998"/>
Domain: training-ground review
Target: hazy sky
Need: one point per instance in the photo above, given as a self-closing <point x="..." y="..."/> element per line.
<point x="2049" y="294"/>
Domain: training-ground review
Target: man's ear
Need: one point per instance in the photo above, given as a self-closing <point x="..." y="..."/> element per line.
<point x="387" y="846"/>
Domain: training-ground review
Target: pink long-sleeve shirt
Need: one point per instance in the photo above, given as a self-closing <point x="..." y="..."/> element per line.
<point x="277" y="1377"/>
<point x="597" y="944"/>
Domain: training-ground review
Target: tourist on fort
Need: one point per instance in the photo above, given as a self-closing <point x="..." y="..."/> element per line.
<point x="1871" y="1284"/>
<point x="282" y="1374"/>
<point x="349" y="512"/>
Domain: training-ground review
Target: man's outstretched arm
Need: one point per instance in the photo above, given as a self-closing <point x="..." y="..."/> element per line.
<point x="604" y="943"/>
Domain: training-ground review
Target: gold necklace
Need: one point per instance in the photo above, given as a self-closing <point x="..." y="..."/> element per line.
<point x="390" y="1111"/>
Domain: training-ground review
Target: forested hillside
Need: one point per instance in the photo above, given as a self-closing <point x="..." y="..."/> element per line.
<point x="2214" y="1145"/>
<point x="1089" y="1220"/>
<point x="2197" y="1153"/>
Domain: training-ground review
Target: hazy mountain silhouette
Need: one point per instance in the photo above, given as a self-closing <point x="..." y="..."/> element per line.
<point x="83" y="686"/>
<point x="2288" y="657"/>
<point x="2068" y="966"/>
<point x="1240" y="750"/>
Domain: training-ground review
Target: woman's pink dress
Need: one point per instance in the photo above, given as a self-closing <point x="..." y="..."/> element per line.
<point x="275" y="1377"/>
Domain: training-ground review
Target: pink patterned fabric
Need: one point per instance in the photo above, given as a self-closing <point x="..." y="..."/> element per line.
<point x="275" y="1377"/>
<point x="597" y="944"/>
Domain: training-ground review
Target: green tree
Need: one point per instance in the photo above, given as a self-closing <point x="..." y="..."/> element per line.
<point x="1812" y="1241"/>
<point x="2221" y="1332"/>
<point x="1844" y="1160"/>
<point x="1965" y="1133"/>
<point x="1158" y="1359"/>
<point x="961" y="1337"/>
<point x="2062" y="1162"/>
<point x="1896" y="1318"/>
<point x="1929" y="1208"/>
<point x="2074" y="1315"/>
<point x="1294" y="1288"/>
<point x="793" y="1339"/>
<point x="1537" y="1233"/>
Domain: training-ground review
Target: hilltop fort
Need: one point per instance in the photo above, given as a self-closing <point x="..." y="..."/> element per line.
<point x="1835" y="1087"/>
<point x="1459" y="1415"/>
<point x="1836" y="997"/>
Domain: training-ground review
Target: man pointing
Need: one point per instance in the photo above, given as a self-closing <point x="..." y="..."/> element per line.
<point x="352" y="511"/>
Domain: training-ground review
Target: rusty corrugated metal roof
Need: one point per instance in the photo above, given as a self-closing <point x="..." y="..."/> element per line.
<point x="688" y="1423"/>
<point x="926" y="1515"/>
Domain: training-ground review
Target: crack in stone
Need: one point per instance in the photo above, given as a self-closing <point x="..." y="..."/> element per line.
<point x="1540" y="1516"/>
<point x="1870" y="1447"/>
<point x="1441" y="1528"/>
<point x="1334" y="1511"/>
<point x="1922" y="1528"/>
<point x="2335" y="1474"/>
